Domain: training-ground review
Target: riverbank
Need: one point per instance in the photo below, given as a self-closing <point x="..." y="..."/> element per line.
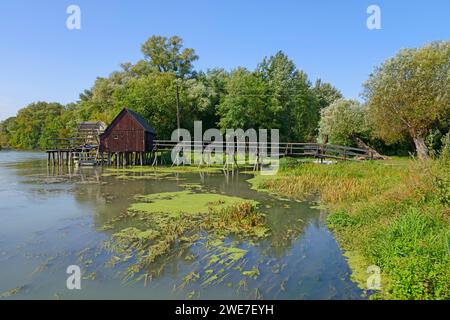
<point x="393" y="214"/>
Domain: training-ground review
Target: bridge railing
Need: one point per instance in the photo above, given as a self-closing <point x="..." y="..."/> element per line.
<point x="316" y="150"/>
<point x="65" y="143"/>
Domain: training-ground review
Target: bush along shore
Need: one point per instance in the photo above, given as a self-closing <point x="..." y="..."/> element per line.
<point x="393" y="214"/>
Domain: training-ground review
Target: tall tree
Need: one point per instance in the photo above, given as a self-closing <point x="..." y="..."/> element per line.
<point x="214" y="83"/>
<point x="168" y="55"/>
<point x="279" y="74"/>
<point x="325" y="93"/>
<point x="246" y="102"/>
<point x="410" y="92"/>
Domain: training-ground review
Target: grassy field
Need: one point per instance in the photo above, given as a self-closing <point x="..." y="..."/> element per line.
<point x="394" y="214"/>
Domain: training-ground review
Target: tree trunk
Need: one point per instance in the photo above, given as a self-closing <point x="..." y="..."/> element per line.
<point x="421" y="148"/>
<point x="362" y="145"/>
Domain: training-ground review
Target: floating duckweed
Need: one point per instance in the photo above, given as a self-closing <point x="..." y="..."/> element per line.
<point x="194" y="186"/>
<point x="167" y="224"/>
<point x="213" y="260"/>
<point x="191" y="277"/>
<point x="253" y="273"/>
<point x="190" y="295"/>
<point x="190" y="257"/>
<point x="209" y="280"/>
<point x="165" y="169"/>
<point x="175" y="203"/>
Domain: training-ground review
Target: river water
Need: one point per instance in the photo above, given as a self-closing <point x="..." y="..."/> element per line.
<point x="51" y="218"/>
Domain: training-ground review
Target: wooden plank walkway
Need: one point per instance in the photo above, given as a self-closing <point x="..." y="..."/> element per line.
<point x="285" y="149"/>
<point x="71" y="151"/>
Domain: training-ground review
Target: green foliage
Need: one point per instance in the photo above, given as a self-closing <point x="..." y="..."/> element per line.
<point x="393" y="214"/>
<point x="343" y="121"/>
<point x="6" y="132"/>
<point x="153" y="96"/>
<point x="167" y="56"/>
<point x="409" y="93"/>
<point x="276" y="95"/>
<point x="245" y="105"/>
<point x="325" y="93"/>
<point x="35" y="124"/>
<point x="444" y="154"/>
<point x="341" y="219"/>
<point x="413" y="251"/>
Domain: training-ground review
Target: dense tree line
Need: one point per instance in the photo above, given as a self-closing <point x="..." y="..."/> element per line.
<point x="165" y="89"/>
<point x="406" y="100"/>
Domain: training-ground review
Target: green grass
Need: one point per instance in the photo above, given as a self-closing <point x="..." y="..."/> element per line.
<point x="394" y="214"/>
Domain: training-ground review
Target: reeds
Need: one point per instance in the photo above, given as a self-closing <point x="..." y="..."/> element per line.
<point x="394" y="214"/>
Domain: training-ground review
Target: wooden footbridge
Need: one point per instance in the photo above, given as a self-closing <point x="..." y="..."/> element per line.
<point x="284" y="149"/>
<point x="74" y="151"/>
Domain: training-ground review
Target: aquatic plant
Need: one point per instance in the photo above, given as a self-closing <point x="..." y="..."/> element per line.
<point x="11" y="292"/>
<point x="168" y="224"/>
<point x="393" y="214"/>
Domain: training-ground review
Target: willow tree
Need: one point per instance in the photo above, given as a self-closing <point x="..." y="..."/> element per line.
<point x="343" y="122"/>
<point x="409" y="93"/>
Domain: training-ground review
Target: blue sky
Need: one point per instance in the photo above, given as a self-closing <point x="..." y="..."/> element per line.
<point x="40" y="59"/>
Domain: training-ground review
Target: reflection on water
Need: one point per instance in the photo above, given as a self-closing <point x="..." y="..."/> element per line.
<point x="51" y="218"/>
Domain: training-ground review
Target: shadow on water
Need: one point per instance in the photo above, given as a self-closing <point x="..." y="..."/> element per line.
<point x="53" y="217"/>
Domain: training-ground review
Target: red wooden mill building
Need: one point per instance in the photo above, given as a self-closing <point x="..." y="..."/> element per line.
<point x="128" y="139"/>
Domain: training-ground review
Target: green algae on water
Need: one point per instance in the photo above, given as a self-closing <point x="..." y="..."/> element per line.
<point x="175" y="203"/>
<point x="167" y="224"/>
<point x="253" y="273"/>
<point x="168" y="169"/>
<point x="192" y="186"/>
